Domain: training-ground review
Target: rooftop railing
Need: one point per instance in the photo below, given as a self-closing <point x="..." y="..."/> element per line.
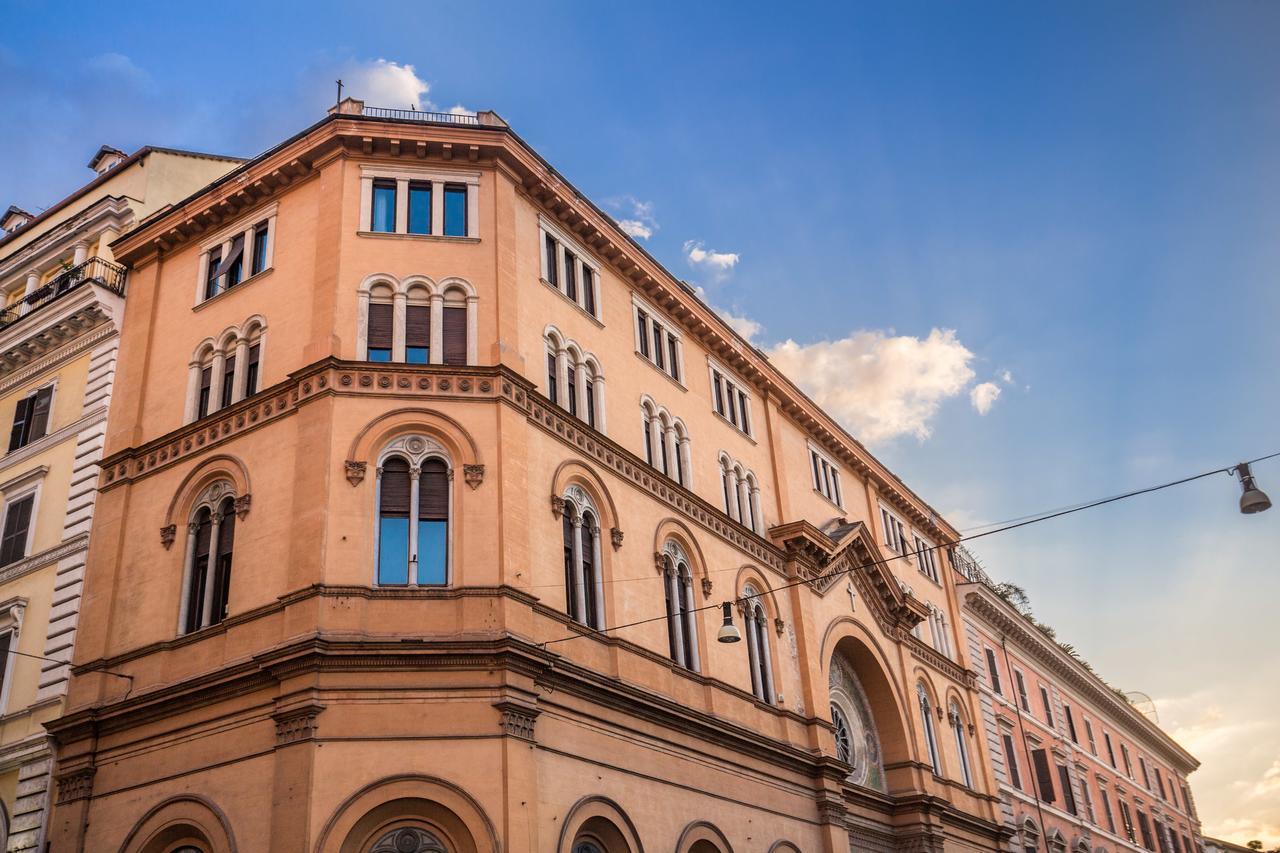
<point x="470" y="119"/>
<point x="97" y="271"/>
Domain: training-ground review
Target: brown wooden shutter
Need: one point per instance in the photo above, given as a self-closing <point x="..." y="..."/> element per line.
<point x="380" y="323"/>
<point x="433" y="491"/>
<point x="1012" y="758"/>
<point x="1068" y="796"/>
<point x="17" y="520"/>
<point x="237" y="251"/>
<point x="1044" y="776"/>
<point x="227" y="528"/>
<point x="394" y="492"/>
<point x="20" y="417"/>
<point x="40" y="414"/>
<point x="455" y="336"/>
<point x="993" y="672"/>
<point x="417" y="326"/>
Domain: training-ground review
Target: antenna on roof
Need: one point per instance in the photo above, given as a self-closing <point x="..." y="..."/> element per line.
<point x="339" y="82"/>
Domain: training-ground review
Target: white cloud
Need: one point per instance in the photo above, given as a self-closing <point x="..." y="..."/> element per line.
<point x="385" y="83"/>
<point x="460" y="110"/>
<point x="637" y="221"/>
<point x="879" y="386"/>
<point x="1006" y="377"/>
<point x="635" y="228"/>
<point x="983" y="396"/>
<point x="740" y="323"/>
<point x="719" y="264"/>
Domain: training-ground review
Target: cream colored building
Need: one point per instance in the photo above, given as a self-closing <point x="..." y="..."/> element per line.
<point x="62" y="295"/>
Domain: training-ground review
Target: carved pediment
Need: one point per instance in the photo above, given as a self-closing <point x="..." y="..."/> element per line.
<point x="860" y="557"/>
<point x="809" y="547"/>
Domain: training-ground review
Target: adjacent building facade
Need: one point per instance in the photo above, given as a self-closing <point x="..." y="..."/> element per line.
<point x="62" y="292"/>
<point x="427" y="496"/>
<point x="1078" y="767"/>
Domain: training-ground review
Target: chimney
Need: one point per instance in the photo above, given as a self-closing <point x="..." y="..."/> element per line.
<point x="348" y="107"/>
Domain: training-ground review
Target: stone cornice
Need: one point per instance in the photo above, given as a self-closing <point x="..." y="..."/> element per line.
<point x="53" y="358"/>
<point x="68" y="319"/>
<point x="43" y="251"/>
<point x="487" y="147"/>
<point x="79" y="542"/>
<point x="40" y="445"/>
<point x="983" y="602"/>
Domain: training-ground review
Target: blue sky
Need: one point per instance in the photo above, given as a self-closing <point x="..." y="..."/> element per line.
<point x="1082" y="199"/>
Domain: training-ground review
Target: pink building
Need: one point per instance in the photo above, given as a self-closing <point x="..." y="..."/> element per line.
<point x="1077" y="766"/>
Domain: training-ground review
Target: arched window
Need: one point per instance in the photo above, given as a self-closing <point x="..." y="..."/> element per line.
<point x="857" y="741"/>
<point x="414" y="496"/>
<point x="930" y="736"/>
<point x="408" y="839"/>
<point x="226" y="371"/>
<point x="380" y="328"/>
<point x="415" y="321"/>
<point x="677" y="582"/>
<point x="453" y="325"/>
<point x="741" y="494"/>
<point x="575" y="381"/>
<point x="757" y="623"/>
<point x="206" y="578"/>
<point x="583" y="575"/>
<point x="962" y="747"/>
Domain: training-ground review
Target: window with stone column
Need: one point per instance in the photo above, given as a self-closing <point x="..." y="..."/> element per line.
<point x="583" y="558"/>
<point x="209" y="555"/>
<point x="575" y="379"/>
<point x="414" y="499"/>
<point x="758" y="653"/>
<point x="677" y="584"/>
<point x="741" y="494"/>
<point x="666" y="442"/>
<point x="417" y="320"/>
<point x="236" y="254"/>
<point x="224" y="372"/>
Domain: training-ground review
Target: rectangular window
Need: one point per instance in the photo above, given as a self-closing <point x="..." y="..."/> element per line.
<point x="384" y="207"/>
<point x="673" y="357"/>
<point x="454" y="337"/>
<point x="993" y="672"/>
<point x="211" y="277"/>
<point x="1044" y="775"/>
<point x="895" y="535"/>
<point x="553" y="264"/>
<point x="233" y="266"/>
<point x="1106" y="810"/>
<point x="591" y="405"/>
<point x="1071" y="723"/>
<point x="1111" y="753"/>
<point x="1146" y="779"/>
<point x="1144" y="826"/>
<point x="642" y="332"/>
<point x="571" y="389"/>
<point x="31" y="418"/>
<point x="926" y="558"/>
<point x="551" y="376"/>
<point x="1012" y="758"/>
<point x="716" y="384"/>
<point x="589" y="290"/>
<point x="206" y="387"/>
<point x="658" y="357"/>
<point x="380" y="327"/>
<point x="394" y="495"/>
<point x="420" y="207"/>
<point x="455" y="210"/>
<point x="570" y="275"/>
<point x="417" y="334"/>
<point x="259" y="249"/>
<point x="6" y="640"/>
<point x="1068" y="796"/>
<point x="1088" y="733"/>
<point x="1127" y="819"/>
<point x="1128" y="765"/>
<point x="1022" y="692"/>
<point x="1048" y="708"/>
<point x="1088" y="799"/>
<point x="17" y="523"/>
<point x="228" y="381"/>
<point x="251" y="371"/>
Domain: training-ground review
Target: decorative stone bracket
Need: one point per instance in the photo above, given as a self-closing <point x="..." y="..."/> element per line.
<point x="474" y="475"/>
<point x="615" y="536"/>
<point x="75" y="785"/>
<point x="297" y="723"/>
<point x="355" y="471"/>
<point x="707" y="586"/>
<point x="167" y="534"/>
<point x="518" y="719"/>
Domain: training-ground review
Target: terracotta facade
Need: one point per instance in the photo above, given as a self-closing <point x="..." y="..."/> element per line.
<point x="317" y="706"/>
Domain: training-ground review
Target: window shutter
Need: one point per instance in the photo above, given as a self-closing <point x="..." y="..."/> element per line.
<point x="417" y="326"/>
<point x="433" y="491"/>
<point x="380" y="321"/>
<point x="237" y="252"/>
<point x="1044" y="776"/>
<point x="1068" y="796"/>
<point x="251" y="376"/>
<point x="455" y="335"/>
<point x="1012" y="758"/>
<point x="19" y="422"/>
<point x="227" y="529"/>
<point x="4" y="656"/>
<point x="993" y="674"/>
<point x="17" y="520"/>
<point x="394" y="491"/>
<point x="40" y="414"/>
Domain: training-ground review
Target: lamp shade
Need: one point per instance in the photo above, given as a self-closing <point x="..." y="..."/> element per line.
<point x="1252" y="499"/>
<point x="728" y="632"/>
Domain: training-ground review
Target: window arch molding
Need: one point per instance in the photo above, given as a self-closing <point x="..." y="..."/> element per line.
<point x="678" y="573"/>
<point x="424" y="540"/>
<point x="189" y="818"/>
<point x="575" y="378"/>
<point x="419" y="290"/>
<point x="703" y="835"/>
<point x="225" y="370"/>
<point x="602" y="820"/>
<point x="666" y="440"/>
<point x="223" y="466"/>
<point x="741" y="492"/>
<point x="452" y="813"/>
<point x="760" y="620"/>
<point x="572" y="471"/>
<point x="582" y="535"/>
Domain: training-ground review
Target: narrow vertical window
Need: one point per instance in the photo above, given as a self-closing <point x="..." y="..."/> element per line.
<point x="591" y="402"/>
<point x="657" y="346"/>
<point x="384" y="207"/>
<point x="454" y="323"/>
<point x="589" y="290"/>
<point x="1068" y="796"/>
<point x="730" y="402"/>
<point x="1071" y="723"/>
<point x="1111" y="753"/>
<point x="930" y="736"/>
<point x="222" y="569"/>
<point x="993" y="672"/>
<point x="571" y="389"/>
<point x="455" y="210"/>
<point x="433" y="522"/>
<point x="228" y="381"/>
<point x="200" y="585"/>
<point x="551" y="376"/>
<point x="673" y="352"/>
<point x="1048" y="708"/>
<point x="553" y="265"/>
<point x="742" y="407"/>
<point x="1044" y="776"/>
<point x="251" y="370"/>
<point x="570" y="276"/>
<point x="206" y="387"/>
<point x="1088" y="733"/>
<point x="393" y="522"/>
<point x="1023" y="700"/>
<point x="590" y="618"/>
<point x="642" y="329"/>
<point x="684" y="587"/>
<point x="570" y="575"/>
<point x="211" y="277"/>
<point x="417" y="334"/>
<point x="817" y="479"/>
<point x="18" y="435"/>
<point x="259" y="249"/>
<point x="420" y="207"/>
<point x="381" y="319"/>
<point x="1011" y="758"/>
<point x="962" y="747"/>
<point x="1106" y="811"/>
<point x="716" y="383"/>
<point x="17" y="524"/>
<point x="233" y="266"/>
<point x="31" y="418"/>
<point x="673" y="610"/>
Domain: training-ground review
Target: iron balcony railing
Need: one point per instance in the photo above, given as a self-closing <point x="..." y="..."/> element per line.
<point x="423" y="116"/>
<point x="93" y="271"/>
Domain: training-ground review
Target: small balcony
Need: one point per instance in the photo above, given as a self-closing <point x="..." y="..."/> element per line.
<point x="97" y="271"/>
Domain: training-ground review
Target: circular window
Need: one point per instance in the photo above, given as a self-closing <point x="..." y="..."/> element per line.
<point x="844" y="746"/>
<point x="408" y="839"/>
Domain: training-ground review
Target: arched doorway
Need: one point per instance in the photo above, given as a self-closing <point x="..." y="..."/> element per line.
<point x="857" y="738"/>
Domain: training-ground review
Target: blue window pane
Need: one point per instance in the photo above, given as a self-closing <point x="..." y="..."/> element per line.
<point x="384" y="208"/>
<point x="420" y="209"/>
<point x="416" y="355"/>
<point x="259" y="250"/>
<point x="393" y="550"/>
<point x="379" y="354"/>
<point x="455" y="211"/>
<point x="431" y="551"/>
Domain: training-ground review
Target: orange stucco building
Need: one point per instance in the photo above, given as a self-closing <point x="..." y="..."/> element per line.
<point x="424" y="488"/>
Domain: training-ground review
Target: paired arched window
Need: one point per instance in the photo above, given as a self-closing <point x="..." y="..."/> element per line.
<point x="757" y="624"/>
<point x="575" y="380"/>
<point x="962" y="743"/>
<point x="225" y="371"/>
<point x="210" y="549"/>
<point x="677" y="582"/>
<point x="416" y="321"/>
<point x="741" y="494"/>
<point x="583" y="568"/>
<point x="414" y="496"/>
<point x="930" y="735"/>
<point x="666" y="442"/>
